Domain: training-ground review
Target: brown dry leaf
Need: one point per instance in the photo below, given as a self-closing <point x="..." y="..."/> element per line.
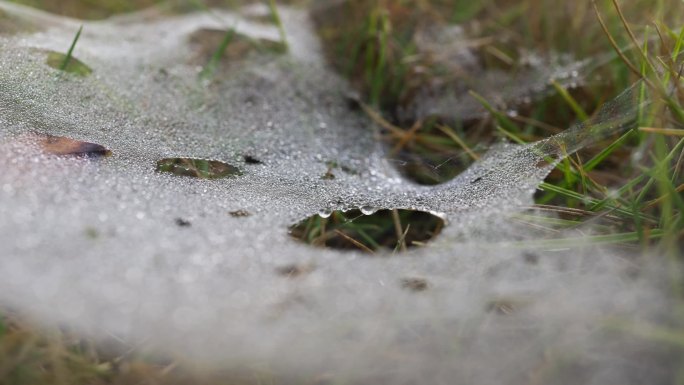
<point x="60" y="145"/>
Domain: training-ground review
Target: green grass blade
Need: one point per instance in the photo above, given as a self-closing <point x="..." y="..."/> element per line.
<point x="601" y="156"/>
<point x="579" y="111"/>
<point x="278" y="22"/>
<point x="621" y="191"/>
<point x="653" y="170"/>
<point x="587" y="200"/>
<point x="213" y="63"/>
<point x="560" y="243"/>
<point x="363" y="234"/>
<point x="511" y="135"/>
<point x="501" y="118"/>
<point x="653" y="333"/>
<point x="67" y="58"/>
<point x="678" y="45"/>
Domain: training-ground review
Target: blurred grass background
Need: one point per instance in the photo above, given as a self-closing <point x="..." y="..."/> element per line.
<point x="635" y="179"/>
<point x="89" y="9"/>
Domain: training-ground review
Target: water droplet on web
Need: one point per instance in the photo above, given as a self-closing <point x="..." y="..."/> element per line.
<point x="368" y="210"/>
<point x="381" y="230"/>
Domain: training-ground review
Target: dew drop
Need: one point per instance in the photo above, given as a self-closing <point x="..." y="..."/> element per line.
<point x="368" y="233"/>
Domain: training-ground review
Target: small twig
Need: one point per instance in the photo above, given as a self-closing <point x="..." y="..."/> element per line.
<point x="407" y="136"/>
<point x="169" y="368"/>
<point x="630" y="33"/>
<point x="668" y="67"/>
<point x="402" y="240"/>
<point x="354" y="241"/>
<point x="379" y="120"/>
<point x="536" y="226"/>
<point x="658" y="200"/>
<point x="533" y="122"/>
<point x="614" y="43"/>
<point x="663" y="131"/>
<point x="452" y="135"/>
<point x="398" y="229"/>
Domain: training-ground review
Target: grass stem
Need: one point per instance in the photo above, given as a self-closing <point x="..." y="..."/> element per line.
<point x="67" y="58"/>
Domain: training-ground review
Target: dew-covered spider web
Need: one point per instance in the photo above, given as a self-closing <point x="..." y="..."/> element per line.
<point x="191" y="267"/>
